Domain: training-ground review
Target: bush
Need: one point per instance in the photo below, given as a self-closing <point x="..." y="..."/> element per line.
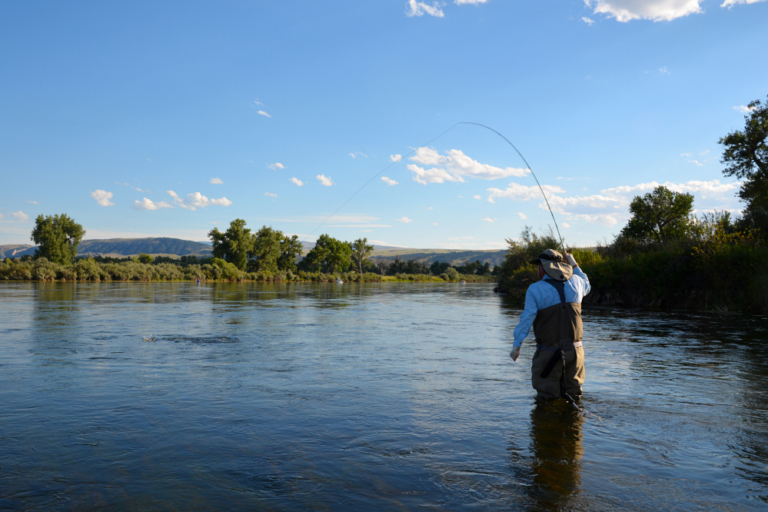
<point x="45" y="270"/>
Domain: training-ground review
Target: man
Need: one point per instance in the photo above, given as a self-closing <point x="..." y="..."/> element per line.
<point x="553" y="307"/>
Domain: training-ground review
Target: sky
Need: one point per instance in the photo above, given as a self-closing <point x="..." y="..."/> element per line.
<point x="171" y="118"/>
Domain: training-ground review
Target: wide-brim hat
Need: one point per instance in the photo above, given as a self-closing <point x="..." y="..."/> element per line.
<point x="554" y="265"/>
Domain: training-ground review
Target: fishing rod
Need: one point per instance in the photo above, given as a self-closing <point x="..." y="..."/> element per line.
<point x="427" y="143"/>
<point x="373" y="178"/>
<point x="532" y="173"/>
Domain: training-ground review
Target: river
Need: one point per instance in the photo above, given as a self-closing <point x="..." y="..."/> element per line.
<point x="380" y="396"/>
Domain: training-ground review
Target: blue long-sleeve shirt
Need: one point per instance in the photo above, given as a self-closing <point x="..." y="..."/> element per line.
<point x="541" y="295"/>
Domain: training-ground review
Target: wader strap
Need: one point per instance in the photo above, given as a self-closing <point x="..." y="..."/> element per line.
<point x="560" y="287"/>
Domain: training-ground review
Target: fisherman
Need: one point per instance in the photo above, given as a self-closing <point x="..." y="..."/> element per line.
<point x="553" y="308"/>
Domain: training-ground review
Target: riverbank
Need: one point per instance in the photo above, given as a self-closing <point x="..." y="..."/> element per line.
<point x="90" y="270"/>
<point x="726" y="277"/>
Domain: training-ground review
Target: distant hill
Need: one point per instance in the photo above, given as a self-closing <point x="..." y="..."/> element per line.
<point x="175" y="247"/>
<point x="123" y="247"/>
<point x="16" y="251"/>
<point x="429" y="256"/>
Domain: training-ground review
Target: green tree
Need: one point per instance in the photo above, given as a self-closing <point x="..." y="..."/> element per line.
<point x="328" y="255"/>
<point x="57" y="237"/>
<point x="266" y="249"/>
<point x="145" y="258"/>
<point x="290" y="249"/>
<point x="661" y="216"/>
<point x="360" y="253"/>
<point x="746" y="154"/>
<point x="234" y="244"/>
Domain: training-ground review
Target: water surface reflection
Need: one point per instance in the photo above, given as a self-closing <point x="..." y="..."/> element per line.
<point x="380" y="396"/>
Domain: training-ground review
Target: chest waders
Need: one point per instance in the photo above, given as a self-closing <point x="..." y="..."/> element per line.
<point x="563" y="330"/>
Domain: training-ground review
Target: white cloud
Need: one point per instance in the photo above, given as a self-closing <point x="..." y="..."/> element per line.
<point x="20" y="216"/>
<point x="588" y="21"/>
<point x="32" y="202"/>
<point x="476" y="197"/>
<point x="395" y="158"/>
<point x="706" y="151"/>
<point x="744" y="110"/>
<point x="148" y="204"/>
<point x="430" y="208"/>
<point x="258" y="103"/>
<point x="730" y="3"/>
<point x="102" y="197"/>
<point x="610" y="206"/>
<point x="216" y="181"/>
<point x="656" y="10"/>
<point x="1" y="215"/>
<point x="355" y="155"/>
<point x="709" y="187"/>
<point x="487" y="219"/>
<point x="566" y="225"/>
<point x="420" y="8"/>
<point x="405" y="220"/>
<point x="434" y="223"/>
<point x="686" y="154"/>
<point x="366" y="230"/>
<point x="197" y="200"/>
<point x="522" y="215"/>
<point x="388" y="181"/>
<point x="262" y="113"/>
<point x="325" y="180"/>
<point x="663" y="70"/>
<point x="455" y="166"/>
<point x="276" y="165"/>
<point x="270" y="194"/>
<point x="517" y="192"/>
<point x="609" y="219"/>
<point x="297" y="181"/>
<point x="695" y="162"/>
<point x="469" y="2"/>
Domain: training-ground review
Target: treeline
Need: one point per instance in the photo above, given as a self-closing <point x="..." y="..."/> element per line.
<point x="664" y="257"/>
<point x="667" y="257"/>
<point x="238" y="255"/>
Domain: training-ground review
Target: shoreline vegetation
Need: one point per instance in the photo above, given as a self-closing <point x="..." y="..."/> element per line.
<point x="715" y="267"/>
<point x="190" y="269"/>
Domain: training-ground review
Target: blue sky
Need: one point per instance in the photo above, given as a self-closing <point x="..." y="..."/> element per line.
<point x="170" y="118"/>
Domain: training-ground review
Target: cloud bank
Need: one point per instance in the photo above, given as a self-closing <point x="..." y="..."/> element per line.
<point x="455" y="166"/>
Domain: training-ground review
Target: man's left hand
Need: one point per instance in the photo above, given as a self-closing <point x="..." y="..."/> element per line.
<point x="515" y="353"/>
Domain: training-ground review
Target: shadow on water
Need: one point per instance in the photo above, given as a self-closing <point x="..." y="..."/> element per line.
<point x="557" y="451"/>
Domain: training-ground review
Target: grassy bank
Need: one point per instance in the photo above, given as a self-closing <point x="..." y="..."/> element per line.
<point x="722" y="272"/>
<point x="91" y="270"/>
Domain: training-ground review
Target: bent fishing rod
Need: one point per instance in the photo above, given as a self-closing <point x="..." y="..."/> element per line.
<point x="532" y="173"/>
<point x="562" y="243"/>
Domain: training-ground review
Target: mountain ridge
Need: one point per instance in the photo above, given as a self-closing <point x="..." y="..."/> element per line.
<point x="176" y="247"/>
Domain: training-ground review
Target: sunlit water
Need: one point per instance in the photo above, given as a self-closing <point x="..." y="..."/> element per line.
<point x="365" y="397"/>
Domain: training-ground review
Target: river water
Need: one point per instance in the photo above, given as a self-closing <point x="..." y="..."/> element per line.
<point x="365" y="397"/>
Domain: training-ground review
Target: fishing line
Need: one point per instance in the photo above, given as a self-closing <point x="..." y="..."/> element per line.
<point x="426" y="144"/>
<point x="373" y="178"/>
<point x="530" y="169"/>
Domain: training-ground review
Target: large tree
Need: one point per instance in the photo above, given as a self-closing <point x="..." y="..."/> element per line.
<point x="746" y="154"/>
<point x="266" y="249"/>
<point x="661" y="216"/>
<point x="328" y="255"/>
<point x="234" y="244"/>
<point x="360" y="252"/>
<point x="290" y="249"/>
<point x="57" y="237"/>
